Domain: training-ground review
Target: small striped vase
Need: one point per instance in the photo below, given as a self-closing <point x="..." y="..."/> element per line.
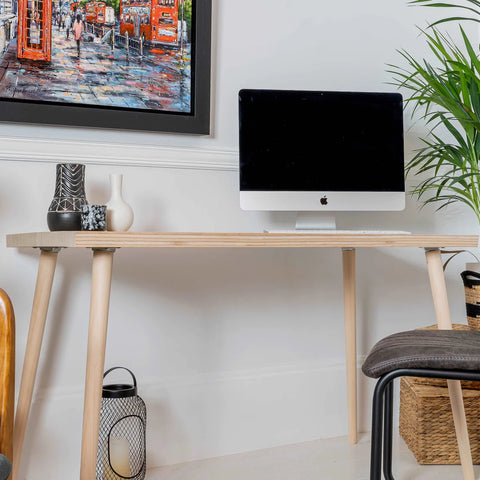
<point x="65" y="211"/>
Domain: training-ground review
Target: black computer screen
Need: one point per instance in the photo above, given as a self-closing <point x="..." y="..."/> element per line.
<point x="321" y="141"/>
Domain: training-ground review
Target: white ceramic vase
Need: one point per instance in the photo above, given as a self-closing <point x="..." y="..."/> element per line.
<point x="119" y="212"/>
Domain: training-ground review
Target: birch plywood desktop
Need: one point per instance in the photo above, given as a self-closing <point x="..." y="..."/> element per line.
<point x="104" y="245"/>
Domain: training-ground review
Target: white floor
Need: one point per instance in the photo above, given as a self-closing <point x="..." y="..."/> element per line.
<point x="331" y="459"/>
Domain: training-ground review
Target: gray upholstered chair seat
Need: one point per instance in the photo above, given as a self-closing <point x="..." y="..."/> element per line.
<point x="430" y="349"/>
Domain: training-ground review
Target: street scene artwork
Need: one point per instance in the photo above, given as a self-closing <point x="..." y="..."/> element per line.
<point x="130" y="54"/>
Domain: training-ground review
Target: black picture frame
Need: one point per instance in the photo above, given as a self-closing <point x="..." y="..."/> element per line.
<point x="196" y="122"/>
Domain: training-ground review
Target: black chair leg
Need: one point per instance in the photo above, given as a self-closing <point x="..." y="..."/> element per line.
<point x="376" y="442"/>
<point x="388" y="432"/>
<point x="383" y="397"/>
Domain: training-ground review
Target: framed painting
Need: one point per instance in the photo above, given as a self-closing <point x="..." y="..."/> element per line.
<point x="121" y="64"/>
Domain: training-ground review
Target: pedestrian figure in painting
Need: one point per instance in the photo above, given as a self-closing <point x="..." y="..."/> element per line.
<point x="68" y="25"/>
<point x="77" y="32"/>
<point x="34" y="36"/>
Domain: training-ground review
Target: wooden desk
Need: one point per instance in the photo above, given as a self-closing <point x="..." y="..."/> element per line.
<point x="104" y="245"/>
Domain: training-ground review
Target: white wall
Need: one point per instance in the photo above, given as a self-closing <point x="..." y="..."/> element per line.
<point x="234" y="350"/>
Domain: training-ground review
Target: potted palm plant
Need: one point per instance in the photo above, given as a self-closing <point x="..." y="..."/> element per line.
<point x="446" y="93"/>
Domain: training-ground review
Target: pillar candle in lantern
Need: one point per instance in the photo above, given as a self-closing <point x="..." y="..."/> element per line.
<point x="120" y="456"/>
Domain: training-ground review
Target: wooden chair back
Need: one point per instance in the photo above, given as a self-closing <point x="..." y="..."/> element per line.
<point x="7" y="374"/>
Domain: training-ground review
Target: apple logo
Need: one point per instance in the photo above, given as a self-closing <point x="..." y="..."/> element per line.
<point x="324" y="200"/>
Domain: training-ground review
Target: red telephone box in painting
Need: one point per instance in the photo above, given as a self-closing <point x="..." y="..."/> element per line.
<point x="34" y="29"/>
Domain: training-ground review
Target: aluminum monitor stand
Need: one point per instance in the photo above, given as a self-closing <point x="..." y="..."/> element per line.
<point x="324" y="222"/>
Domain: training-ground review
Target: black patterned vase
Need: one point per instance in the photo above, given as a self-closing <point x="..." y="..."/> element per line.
<point x="65" y="212"/>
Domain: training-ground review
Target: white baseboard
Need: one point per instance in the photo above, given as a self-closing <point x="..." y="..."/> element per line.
<point x="202" y="416"/>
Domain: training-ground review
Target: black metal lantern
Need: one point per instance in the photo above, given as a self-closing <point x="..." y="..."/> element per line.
<point x="121" y="442"/>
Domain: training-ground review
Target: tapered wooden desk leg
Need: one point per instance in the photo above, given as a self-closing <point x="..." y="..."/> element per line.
<point x="41" y="299"/>
<point x="349" y="296"/>
<point x="442" y="311"/>
<point x="97" y="337"/>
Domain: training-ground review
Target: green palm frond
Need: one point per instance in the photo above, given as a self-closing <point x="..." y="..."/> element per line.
<point x="446" y="95"/>
<point x="468" y="5"/>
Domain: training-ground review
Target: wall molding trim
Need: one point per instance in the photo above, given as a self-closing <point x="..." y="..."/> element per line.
<point x="206" y="380"/>
<point x="27" y="149"/>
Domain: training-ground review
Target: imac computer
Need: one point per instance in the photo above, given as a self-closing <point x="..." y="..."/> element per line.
<point x="319" y="152"/>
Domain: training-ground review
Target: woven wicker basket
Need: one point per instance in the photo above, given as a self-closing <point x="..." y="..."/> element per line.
<point x="426" y="422"/>
<point x="471" y="282"/>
